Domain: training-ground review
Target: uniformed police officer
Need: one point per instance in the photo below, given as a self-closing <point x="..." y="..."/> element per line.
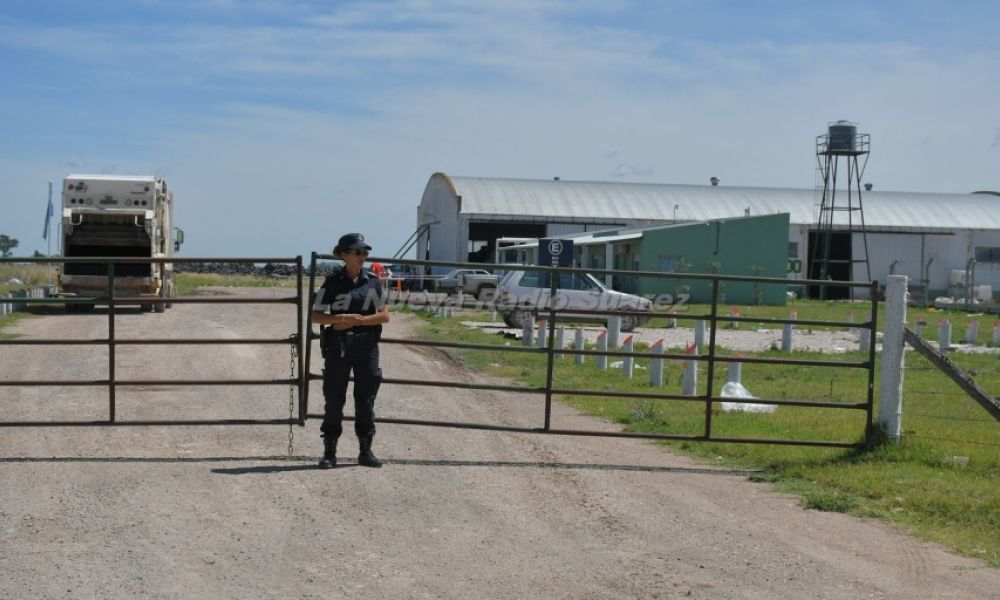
<point x="351" y="304"/>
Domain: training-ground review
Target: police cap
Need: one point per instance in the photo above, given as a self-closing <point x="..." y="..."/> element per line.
<point x="351" y="241"/>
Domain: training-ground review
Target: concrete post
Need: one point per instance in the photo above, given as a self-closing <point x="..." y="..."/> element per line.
<point x="944" y="335"/>
<point x="890" y="404"/>
<point x="528" y="332"/>
<point x="864" y="339"/>
<point x="699" y="334"/>
<point x="971" y="331"/>
<point x="996" y="333"/>
<point x="918" y="327"/>
<point x="602" y="345"/>
<point x="656" y="364"/>
<point x="787" y="330"/>
<point x="459" y="298"/>
<point x="629" y="363"/>
<point x="689" y="381"/>
<point x="734" y="373"/>
<point x="671" y="321"/>
<point x="734" y="312"/>
<point x="543" y="333"/>
<point x="578" y="344"/>
<point x="560" y="341"/>
<point x="614" y="331"/>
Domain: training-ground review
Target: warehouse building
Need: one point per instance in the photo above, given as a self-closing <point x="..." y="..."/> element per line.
<point x="945" y="243"/>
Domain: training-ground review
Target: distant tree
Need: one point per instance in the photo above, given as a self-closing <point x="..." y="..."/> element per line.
<point x="7" y="244"/>
<point x="38" y="254"/>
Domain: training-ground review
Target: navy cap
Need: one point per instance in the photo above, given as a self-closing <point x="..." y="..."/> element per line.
<point x="351" y="241"/>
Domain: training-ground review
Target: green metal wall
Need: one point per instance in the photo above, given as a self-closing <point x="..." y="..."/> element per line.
<point x="739" y="246"/>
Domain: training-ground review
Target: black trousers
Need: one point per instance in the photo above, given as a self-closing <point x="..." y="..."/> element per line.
<point x="363" y="360"/>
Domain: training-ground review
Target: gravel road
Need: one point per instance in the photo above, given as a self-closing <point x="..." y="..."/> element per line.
<point x="220" y="512"/>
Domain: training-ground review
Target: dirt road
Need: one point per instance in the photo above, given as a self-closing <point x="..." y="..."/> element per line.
<point x="203" y="512"/>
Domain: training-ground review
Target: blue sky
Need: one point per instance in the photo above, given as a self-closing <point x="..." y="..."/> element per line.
<point x="281" y="124"/>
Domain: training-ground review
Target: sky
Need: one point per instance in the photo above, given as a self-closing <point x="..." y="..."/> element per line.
<point x="281" y="124"/>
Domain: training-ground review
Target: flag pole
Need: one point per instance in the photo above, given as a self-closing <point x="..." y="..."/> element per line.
<point x="48" y="216"/>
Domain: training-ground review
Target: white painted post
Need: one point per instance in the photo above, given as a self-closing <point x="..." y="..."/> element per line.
<point x="890" y="397"/>
<point x="656" y="364"/>
<point x="971" y="331"/>
<point x="629" y="363"/>
<point x="734" y="312"/>
<point x="734" y="373"/>
<point x="944" y="335"/>
<point x="528" y="332"/>
<point x="699" y="334"/>
<point x="602" y="345"/>
<point x="919" y="324"/>
<point x="996" y="333"/>
<point x="614" y="331"/>
<point x="578" y="344"/>
<point x="543" y="333"/>
<point x="671" y="321"/>
<point x="690" y="380"/>
<point x="560" y="341"/>
<point x="459" y="298"/>
<point x="864" y="339"/>
<point x="787" y="330"/>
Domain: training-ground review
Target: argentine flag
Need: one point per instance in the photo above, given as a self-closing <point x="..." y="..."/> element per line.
<point x="48" y="217"/>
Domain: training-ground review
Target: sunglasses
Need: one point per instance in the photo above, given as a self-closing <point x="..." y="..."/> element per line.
<point x="355" y="252"/>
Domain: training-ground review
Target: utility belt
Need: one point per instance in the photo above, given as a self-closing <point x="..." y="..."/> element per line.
<point x="341" y="341"/>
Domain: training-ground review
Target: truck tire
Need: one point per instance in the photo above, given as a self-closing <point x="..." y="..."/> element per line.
<point x="160" y="307"/>
<point x="145" y="308"/>
<point x="486" y="293"/>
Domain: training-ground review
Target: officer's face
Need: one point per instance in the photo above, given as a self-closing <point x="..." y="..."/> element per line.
<point x="354" y="257"/>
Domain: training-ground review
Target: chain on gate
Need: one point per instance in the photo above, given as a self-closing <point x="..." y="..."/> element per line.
<point x="293" y="354"/>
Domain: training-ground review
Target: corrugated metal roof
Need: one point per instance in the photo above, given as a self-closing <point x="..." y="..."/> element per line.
<point x="611" y="201"/>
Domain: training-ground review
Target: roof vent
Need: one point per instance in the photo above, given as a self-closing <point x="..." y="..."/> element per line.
<point x="714" y="180"/>
<point x="868" y="187"/>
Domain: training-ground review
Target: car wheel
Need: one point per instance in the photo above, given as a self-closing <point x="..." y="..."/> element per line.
<point x="520" y="317"/>
<point x="629" y="322"/>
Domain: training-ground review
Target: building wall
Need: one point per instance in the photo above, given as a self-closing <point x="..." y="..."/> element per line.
<point x="743" y="246"/>
<point x="440" y="207"/>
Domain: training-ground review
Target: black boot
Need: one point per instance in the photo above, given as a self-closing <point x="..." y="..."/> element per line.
<point x="329" y="459"/>
<point x="365" y="457"/>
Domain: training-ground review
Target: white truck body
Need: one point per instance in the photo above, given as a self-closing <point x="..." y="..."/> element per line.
<point x="118" y="215"/>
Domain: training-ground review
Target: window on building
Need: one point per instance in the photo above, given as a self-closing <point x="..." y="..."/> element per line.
<point x="987" y="254"/>
<point x="793" y="249"/>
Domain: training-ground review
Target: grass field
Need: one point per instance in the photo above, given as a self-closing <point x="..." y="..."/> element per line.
<point x="942" y="483"/>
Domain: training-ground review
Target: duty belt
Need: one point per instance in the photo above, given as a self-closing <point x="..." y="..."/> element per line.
<point x="350" y="338"/>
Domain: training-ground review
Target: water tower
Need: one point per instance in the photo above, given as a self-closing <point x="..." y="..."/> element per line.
<point x="841" y="214"/>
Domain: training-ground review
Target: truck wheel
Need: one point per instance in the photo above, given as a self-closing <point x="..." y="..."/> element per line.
<point x="145" y="308"/>
<point x="486" y="293"/>
<point x="160" y="308"/>
<point x="629" y="322"/>
<point x="72" y="309"/>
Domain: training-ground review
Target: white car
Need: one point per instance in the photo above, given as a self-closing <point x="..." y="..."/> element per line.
<point x="525" y="294"/>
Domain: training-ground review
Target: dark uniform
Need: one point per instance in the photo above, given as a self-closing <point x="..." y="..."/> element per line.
<point x="354" y="349"/>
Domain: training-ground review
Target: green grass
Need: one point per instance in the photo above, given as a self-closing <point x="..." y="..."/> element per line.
<point x="31" y="275"/>
<point x="942" y="483"/>
<point x="188" y="283"/>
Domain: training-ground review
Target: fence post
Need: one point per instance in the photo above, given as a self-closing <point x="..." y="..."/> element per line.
<point x="734" y="373"/>
<point x="971" y="331"/>
<point x="996" y="333"/>
<point x="543" y="331"/>
<point x="689" y="382"/>
<point x="629" y="363"/>
<point x="944" y="335"/>
<point x="656" y="364"/>
<point x="699" y="334"/>
<point x="560" y="341"/>
<point x="528" y="331"/>
<point x="602" y="345"/>
<point x="578" y="344"/>
<point x="890" y="405"/>
<point x="614" y="331"/>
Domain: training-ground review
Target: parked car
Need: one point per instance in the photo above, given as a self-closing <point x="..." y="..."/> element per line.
<point x="479" y="282"/>
<point x="522" y="294"/>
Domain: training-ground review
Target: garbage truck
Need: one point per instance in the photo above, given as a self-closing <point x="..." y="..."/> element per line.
<point x="118" y="215"/>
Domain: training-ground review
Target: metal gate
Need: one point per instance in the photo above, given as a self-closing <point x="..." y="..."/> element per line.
<point x="112" y="341"/>
<point x="711" y="359"/>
